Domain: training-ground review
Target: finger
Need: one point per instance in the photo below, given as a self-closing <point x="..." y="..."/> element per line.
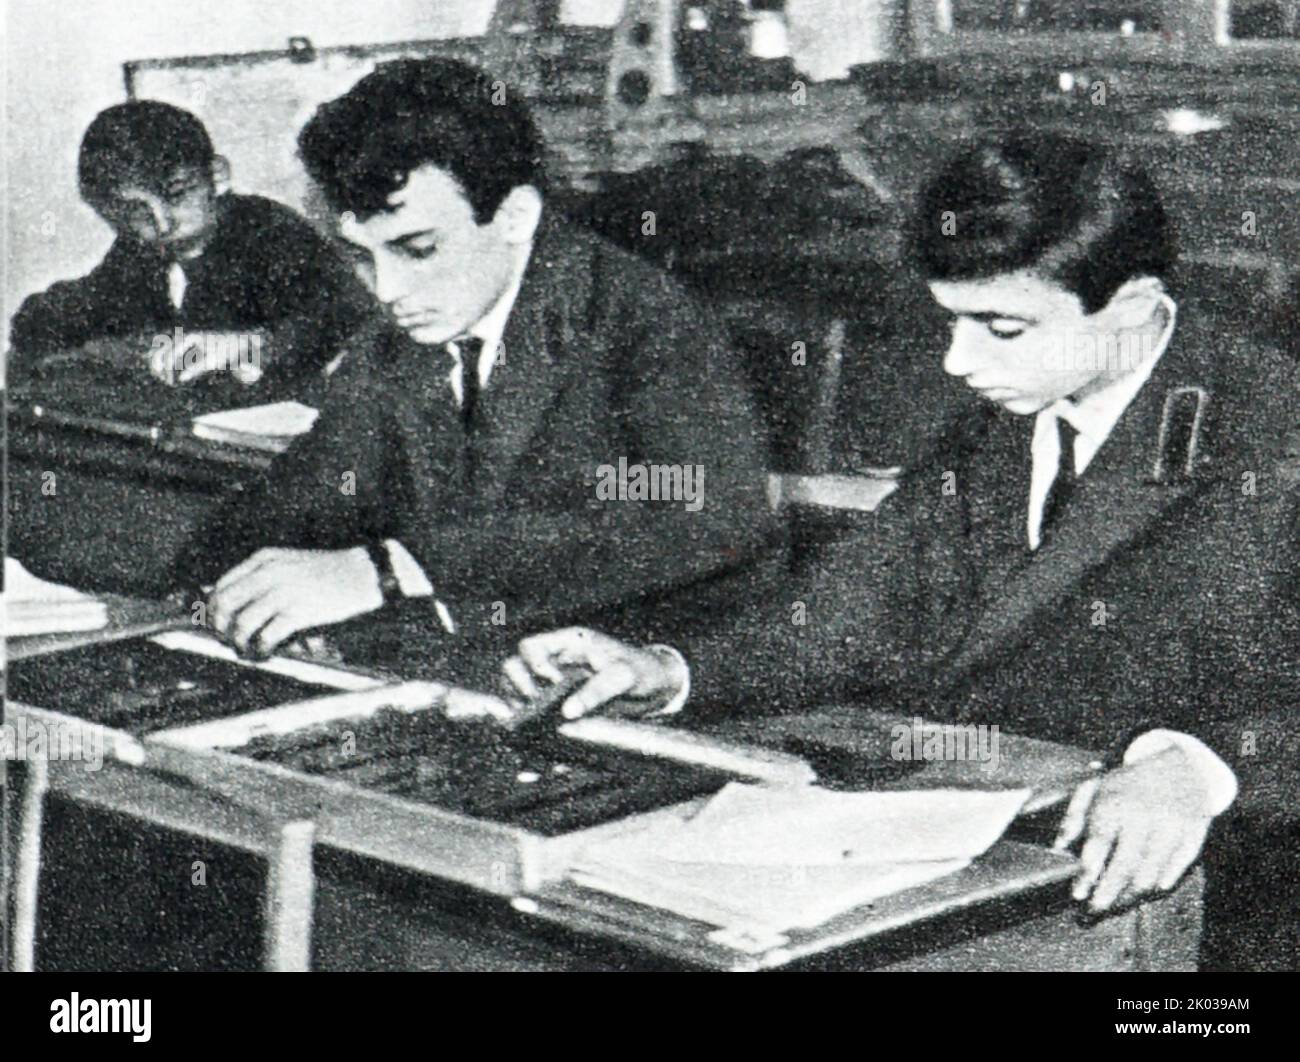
<point x="224" y="606"/>
<point x="467" y="704"/>
<point x="1157" y="849"/>
<point x="516" y="671"/>
<point x="1121" y="869"/>
<point x="1183" y="856"/>
<point x="244" y="567"/>
<point x="1076" y="815"/>
<point x="278" y="631"/>
<point x="537" y="652"/>
<point x="203" y="353"/>
<point x="161" y="360"/>
<point x="246" y="374"/>
<point x="601" y="688"/>
<point x="1096" y="850"/>
<point x="194" y="370"/>
<point x="183" y="357"/>
<point x="159" y="366"/>
<point x="251" y="618"/>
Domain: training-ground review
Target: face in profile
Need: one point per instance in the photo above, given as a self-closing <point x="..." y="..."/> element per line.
<point x="435" y="268"/>
<point x="175" y="217"/>
<point x="1025" y="342"/>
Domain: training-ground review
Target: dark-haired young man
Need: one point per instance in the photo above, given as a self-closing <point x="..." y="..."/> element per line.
<point x="463" y="471"/>
<point x="1106" y="557"/>
<point x="199" y="279"/>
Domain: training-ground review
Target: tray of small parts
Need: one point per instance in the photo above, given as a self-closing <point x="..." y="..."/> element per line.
<point x="412" y="773"/>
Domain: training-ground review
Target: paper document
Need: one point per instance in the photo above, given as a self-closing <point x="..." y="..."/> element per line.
<point x="271" y="427"/>
<point x="32" y="606"/>
<point x="770" y="859"/>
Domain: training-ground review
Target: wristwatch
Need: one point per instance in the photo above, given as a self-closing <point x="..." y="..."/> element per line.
<point x="389" y="587"/>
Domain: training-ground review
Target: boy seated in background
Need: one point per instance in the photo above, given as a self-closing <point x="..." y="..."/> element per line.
<point x="199" y="279"/>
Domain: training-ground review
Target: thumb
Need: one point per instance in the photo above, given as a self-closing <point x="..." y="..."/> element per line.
<point x="603" y="687"/>
<point x="1076" y="815"/>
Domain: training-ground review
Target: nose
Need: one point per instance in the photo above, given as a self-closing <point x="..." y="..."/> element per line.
<point x="150" y="218"/>
<point x="162" y="219"/>
<point x="385" y="280"/>
<point x="962" y="357"/>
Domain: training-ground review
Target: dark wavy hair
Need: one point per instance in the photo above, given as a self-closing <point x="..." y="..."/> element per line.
<point x="143" y="140"/>
<point x="362" y="147"/>
<point x="1073" y="212"/>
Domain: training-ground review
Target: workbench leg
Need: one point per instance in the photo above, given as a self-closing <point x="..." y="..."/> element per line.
<point x="290" y="897"/>
<point x="27" y="864"/>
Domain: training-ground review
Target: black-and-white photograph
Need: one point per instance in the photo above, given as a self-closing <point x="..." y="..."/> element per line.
<point x="653" y="485"/>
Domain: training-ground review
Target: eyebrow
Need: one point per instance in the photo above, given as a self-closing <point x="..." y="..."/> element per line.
<point x="985" y="317"/>
<point x="403" y="241"/>
<point x="410" y="237"/>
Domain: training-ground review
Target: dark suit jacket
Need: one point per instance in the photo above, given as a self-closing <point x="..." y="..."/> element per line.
<point x="1153" y="604"/>
<point x="604" y="358"/>
<point x="266" y="268"/>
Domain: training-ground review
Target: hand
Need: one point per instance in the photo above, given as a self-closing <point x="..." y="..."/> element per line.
<point x="278" y="592"/>
<point x="618" y="670"/>
<point x="239" y="353"/>
<point x="1145" y="825"/>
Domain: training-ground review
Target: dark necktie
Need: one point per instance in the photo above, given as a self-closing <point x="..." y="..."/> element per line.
<point x="1063" y="485"/>
<point x="470" y="348"/>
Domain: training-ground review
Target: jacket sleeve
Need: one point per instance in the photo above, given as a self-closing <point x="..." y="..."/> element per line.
<point x="69" y="312"/>
<point x="330" y="490"/>
<point x="1249" y="660"/>
<point x="838" y="619"/>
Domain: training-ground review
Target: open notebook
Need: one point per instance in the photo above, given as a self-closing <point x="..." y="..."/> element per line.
<point x="270" y="427"/>
<point x="34" y="606"/>
<point x="766" y="860"/>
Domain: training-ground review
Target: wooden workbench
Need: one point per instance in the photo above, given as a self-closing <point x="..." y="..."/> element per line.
<point x="106" y="860"/>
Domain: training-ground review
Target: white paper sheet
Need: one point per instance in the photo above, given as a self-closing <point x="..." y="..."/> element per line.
<point x="773" y="859"/>
<point x="31" y="606"/>
<point x="268" y="427"/>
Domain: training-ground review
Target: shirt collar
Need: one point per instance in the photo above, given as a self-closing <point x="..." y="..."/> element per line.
<point x="1096" y="415"/>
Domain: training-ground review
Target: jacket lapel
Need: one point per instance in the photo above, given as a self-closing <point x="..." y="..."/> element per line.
<point x="425" y="420"/>
<point x="1114" y="502"/>
<point x="536" y="357"/>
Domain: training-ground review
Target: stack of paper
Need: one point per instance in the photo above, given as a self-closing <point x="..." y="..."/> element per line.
<point x="33" y="606"/>
<point x="270" y="427"/>
<point x="765" y="860"/>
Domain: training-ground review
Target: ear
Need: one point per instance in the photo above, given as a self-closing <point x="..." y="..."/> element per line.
<point x="518" y="215"/>
<point x="1134" y="303"/>
<point x="221" y="174"/>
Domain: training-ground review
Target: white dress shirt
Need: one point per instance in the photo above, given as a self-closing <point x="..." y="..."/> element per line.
<point x="489" y="330"/>
<point x="177" y="282"/>
<point x="1094" y="417"/>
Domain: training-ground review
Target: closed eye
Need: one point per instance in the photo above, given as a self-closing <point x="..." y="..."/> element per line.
<point x="1005" y="330"/>
<point x="419" y="253"/>
<point x="416" y="245"/>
